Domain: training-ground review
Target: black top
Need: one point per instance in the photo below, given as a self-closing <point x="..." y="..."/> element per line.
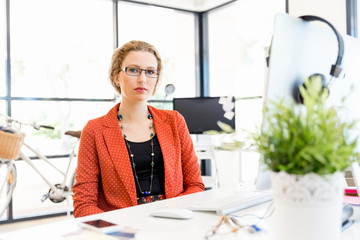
<point x="142" y="159"/>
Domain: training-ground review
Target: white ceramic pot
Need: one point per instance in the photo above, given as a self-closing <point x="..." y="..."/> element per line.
<point x="307" y="207"/>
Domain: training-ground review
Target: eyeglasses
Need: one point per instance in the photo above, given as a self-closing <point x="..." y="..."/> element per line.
<point x="235" y="224"/>
<point x="215" y="229"/>
<point x="238" y="222"/>
<point x="136" y="71"/>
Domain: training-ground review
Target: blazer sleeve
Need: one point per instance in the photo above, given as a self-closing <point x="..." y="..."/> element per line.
<point x="190" y="165"/>
<point x="86" y="187"/>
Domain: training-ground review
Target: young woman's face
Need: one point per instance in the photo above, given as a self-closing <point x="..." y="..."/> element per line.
<point x="138" y="88"/>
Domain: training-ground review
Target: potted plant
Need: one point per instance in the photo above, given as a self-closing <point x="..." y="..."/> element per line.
<point x="307" y="148"/>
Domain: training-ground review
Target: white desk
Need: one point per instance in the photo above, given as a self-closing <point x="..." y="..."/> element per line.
<point x="157" y="228"/>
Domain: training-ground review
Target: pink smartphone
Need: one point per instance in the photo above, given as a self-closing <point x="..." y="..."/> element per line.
<point x="100" y="225"/>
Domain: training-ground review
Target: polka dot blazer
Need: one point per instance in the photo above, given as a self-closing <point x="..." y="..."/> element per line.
<point x="104" y="178"/>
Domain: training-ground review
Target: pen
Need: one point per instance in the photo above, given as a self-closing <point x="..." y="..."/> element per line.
<point x="347" y="224"/>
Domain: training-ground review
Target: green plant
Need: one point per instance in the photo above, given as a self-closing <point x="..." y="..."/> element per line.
<point x="300" y="139"/>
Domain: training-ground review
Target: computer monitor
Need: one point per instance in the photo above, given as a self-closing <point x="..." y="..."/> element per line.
<point x="203" y="113"/>
<point x="300" y="48"/>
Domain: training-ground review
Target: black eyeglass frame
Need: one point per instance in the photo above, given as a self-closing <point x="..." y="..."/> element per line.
<point x="145" y="70"/>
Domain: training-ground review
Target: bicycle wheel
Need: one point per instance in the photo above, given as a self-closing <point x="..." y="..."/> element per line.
<point x="7" y="183"/>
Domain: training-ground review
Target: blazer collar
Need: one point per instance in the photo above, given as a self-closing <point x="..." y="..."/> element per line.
<point x="110" y="119"/>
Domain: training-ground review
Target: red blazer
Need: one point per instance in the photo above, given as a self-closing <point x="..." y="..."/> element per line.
<point x="104" y="178"/>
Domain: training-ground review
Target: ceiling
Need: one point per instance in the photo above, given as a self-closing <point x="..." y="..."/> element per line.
<point x="189" y="5"/>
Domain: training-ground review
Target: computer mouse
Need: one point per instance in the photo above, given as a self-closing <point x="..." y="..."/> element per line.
<point x="176" y="213"/>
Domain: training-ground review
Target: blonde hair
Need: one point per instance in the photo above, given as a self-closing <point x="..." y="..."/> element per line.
<point x="120" y="54"/>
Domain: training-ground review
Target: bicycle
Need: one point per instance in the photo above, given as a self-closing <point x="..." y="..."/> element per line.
<point x="11" y="145"/>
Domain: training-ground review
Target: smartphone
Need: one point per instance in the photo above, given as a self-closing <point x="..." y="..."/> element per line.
<point x="100" y="225"/>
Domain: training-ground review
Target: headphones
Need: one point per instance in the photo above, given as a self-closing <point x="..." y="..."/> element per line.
<point x="335" y="68"/>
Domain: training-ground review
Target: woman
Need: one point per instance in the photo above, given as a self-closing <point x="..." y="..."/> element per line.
<point x="135" y="153"/>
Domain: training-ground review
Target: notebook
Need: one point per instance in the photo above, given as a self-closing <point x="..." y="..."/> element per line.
<point x="238" y="201"/>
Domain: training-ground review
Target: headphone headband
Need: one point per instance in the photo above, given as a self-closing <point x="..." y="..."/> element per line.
<point x="335" y="68"/>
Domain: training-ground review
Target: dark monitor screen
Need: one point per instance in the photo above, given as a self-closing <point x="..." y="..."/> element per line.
<point x="202" y="113"/>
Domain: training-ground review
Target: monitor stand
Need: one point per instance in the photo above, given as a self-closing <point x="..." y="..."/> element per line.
<point x="204" y="149"/>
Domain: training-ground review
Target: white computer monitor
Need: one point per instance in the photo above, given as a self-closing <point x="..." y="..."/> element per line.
<point x="300" y="48"/>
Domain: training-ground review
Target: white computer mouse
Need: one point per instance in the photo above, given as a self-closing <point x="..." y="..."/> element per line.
<point x="176" y="213"/>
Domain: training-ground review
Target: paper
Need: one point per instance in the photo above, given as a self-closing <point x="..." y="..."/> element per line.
<point x="354" y="200"/>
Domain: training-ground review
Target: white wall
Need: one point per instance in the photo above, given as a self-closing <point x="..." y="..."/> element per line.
<point x="333" y="11"/>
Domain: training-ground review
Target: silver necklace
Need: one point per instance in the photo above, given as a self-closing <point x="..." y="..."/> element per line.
<point x="133" y="165"/>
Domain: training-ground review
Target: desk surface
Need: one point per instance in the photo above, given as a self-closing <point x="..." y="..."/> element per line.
<point x="159" y="228"/>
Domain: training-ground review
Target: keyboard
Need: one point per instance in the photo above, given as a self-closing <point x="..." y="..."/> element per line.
<point x="238" y="201"/>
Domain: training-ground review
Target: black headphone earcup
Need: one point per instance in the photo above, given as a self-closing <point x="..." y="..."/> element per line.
<point x="297" y="95"/>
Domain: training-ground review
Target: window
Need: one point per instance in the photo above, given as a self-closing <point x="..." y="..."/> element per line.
<point x="59" y="50"/>
<point x="172" y="34"/>
<point x="357" y="10"/>
<point x="333" y="11"/>
<point x="239" y="38"/>
<point x="63" y="115"/>
<point x="2" y="107"/>
<point x="3" y="49"/>
<point x="237" y="54"/>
